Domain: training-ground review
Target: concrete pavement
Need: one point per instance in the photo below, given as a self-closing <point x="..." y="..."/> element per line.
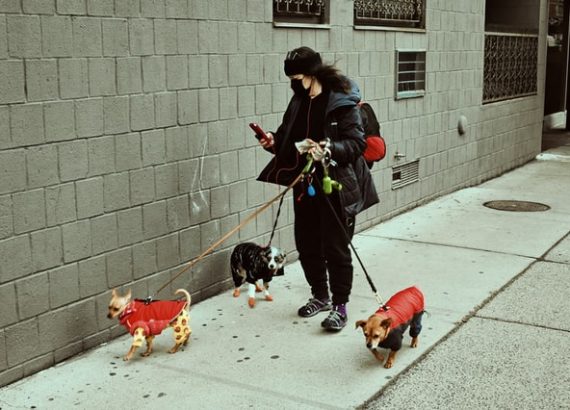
<point x="496" y="291"/>
<point x="511" y="352"/>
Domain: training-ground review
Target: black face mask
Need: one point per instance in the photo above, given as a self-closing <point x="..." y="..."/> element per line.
<point x="297" y="87"/>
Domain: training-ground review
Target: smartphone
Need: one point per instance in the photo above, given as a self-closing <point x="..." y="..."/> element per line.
<point x="259" y="133"/>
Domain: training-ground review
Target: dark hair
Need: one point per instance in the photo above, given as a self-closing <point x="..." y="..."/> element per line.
<point x="304" y="60"/>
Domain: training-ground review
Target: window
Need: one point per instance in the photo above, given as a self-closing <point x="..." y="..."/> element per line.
<point x="300" y="12"/>
<point x="410" y="74"/>
<point x="510" y="66"/>
<point x="512" y="16"/>
<point x="390" y="13"/>
<point x="511" y="49"/>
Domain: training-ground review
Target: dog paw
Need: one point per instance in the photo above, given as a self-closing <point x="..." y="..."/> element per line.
<point x="126" y="358"/>
<point x="236" y="293"/>
<point x="269" y="298"/>
<point x="251" y="302"/>
<point x="414" y="342"/>
<point x="388" y="364"/>
<point x="378" y="356"/>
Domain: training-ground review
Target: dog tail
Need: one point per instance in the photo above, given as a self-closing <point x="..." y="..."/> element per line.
<point x="186" y="295"/>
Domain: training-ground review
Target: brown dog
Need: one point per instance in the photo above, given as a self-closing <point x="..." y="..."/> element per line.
<point x="386" y="327"/>
<point x="145" y="319"/>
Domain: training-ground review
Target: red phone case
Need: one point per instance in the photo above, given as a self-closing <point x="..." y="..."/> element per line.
<point x="259" y="133"/>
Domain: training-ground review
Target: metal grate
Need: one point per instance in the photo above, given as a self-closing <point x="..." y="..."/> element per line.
<point x="411" y="74"/>
<point x="300" y="11"/>
<point x="510" y="69"/>
<point x="390" y="13"/>
<point x="403" y="175"/>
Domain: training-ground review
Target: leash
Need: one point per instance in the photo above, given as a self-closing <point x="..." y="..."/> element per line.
<point x="234" y="230"/>
<point x="306" y="170"/>
<point x="347" y="237"/>
<point x="276" y="220"/>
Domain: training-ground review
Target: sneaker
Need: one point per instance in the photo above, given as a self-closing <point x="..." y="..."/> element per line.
<point x="337" y="319"/>
<point x="314" y="306"/>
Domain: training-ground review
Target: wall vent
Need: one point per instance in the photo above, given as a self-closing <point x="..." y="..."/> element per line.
<point x="405" y="174"/>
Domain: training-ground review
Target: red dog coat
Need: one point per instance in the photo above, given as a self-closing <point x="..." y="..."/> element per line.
<point x="152" y="317"/>
<point x="403" y="306"/>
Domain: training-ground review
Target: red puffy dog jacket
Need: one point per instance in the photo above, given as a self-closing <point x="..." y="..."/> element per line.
<point x="152" y="317"/>
<point x="403" y="306"/>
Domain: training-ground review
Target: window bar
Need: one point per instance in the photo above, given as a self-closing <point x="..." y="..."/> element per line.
<point x="309" y="8"/>
<point x="399" y="13"/>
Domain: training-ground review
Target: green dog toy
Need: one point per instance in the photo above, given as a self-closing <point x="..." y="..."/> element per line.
<point x="330" y="184"/>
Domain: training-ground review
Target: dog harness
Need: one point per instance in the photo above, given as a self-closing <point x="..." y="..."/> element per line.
<point x="153" y="317"/>
<point x="402" y="306"/>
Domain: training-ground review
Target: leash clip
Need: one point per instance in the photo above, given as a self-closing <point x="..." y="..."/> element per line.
<point x="148" y="300"/>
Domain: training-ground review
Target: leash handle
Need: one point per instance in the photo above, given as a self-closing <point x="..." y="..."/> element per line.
<point x="308" y="166"/>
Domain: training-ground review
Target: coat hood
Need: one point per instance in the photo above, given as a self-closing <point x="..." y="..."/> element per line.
<point x="340" y="99"/>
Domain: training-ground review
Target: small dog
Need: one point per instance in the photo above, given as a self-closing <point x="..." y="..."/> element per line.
<point x="386" y="327"/>
<point x="145" y="319"/>
<point x="252" y="263"/>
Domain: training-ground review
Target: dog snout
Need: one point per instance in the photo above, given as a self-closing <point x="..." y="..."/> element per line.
<point x="369" y="345"/>
<point x="109" y="316"/>
<point x="272" y="266"/>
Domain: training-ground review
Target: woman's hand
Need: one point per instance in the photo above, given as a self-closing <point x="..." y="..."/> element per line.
<point x="268" y="142"/>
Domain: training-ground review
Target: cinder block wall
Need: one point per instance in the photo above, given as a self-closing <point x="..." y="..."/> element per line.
<point x="125" y="151"/>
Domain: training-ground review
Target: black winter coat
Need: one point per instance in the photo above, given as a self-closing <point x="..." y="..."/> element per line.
<point x="343" y="126"/>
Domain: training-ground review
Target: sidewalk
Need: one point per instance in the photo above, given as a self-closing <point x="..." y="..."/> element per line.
<point x="496" y="289"/>
<point x="512" y="352"/>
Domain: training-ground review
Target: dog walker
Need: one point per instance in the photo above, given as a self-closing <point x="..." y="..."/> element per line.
<point x="328" y="186"/>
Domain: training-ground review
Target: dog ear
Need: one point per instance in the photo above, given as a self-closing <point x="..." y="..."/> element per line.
<point x="386" y="323"/>
<point x="360" y="323"/>
<point x="128" y="295"/>
<point x="114" y="292"/>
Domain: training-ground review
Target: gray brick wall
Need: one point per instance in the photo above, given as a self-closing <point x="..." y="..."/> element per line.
<point x="125" y="151"/>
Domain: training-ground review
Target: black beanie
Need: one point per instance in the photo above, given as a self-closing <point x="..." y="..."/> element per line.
<point x="302" y="60"/>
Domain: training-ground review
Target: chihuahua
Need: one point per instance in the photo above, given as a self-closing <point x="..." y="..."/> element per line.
<point x="386" y="327"/>
<point x="145" y="319"/>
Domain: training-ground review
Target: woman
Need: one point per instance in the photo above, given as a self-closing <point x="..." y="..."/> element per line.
<point x="322" y="113"/>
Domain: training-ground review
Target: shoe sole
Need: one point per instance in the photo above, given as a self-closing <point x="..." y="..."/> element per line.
<point x="332" y="329"/>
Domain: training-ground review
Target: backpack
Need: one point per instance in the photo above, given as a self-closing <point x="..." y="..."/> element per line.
<point x="375" y="145"/>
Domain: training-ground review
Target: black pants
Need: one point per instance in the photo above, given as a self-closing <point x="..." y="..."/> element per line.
<point x="323" y="246"/>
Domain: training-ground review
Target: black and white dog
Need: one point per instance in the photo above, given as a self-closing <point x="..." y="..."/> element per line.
<point x="252" y="263"/>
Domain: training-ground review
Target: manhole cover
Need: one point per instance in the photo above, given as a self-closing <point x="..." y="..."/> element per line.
<point x="517" y="206"/>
